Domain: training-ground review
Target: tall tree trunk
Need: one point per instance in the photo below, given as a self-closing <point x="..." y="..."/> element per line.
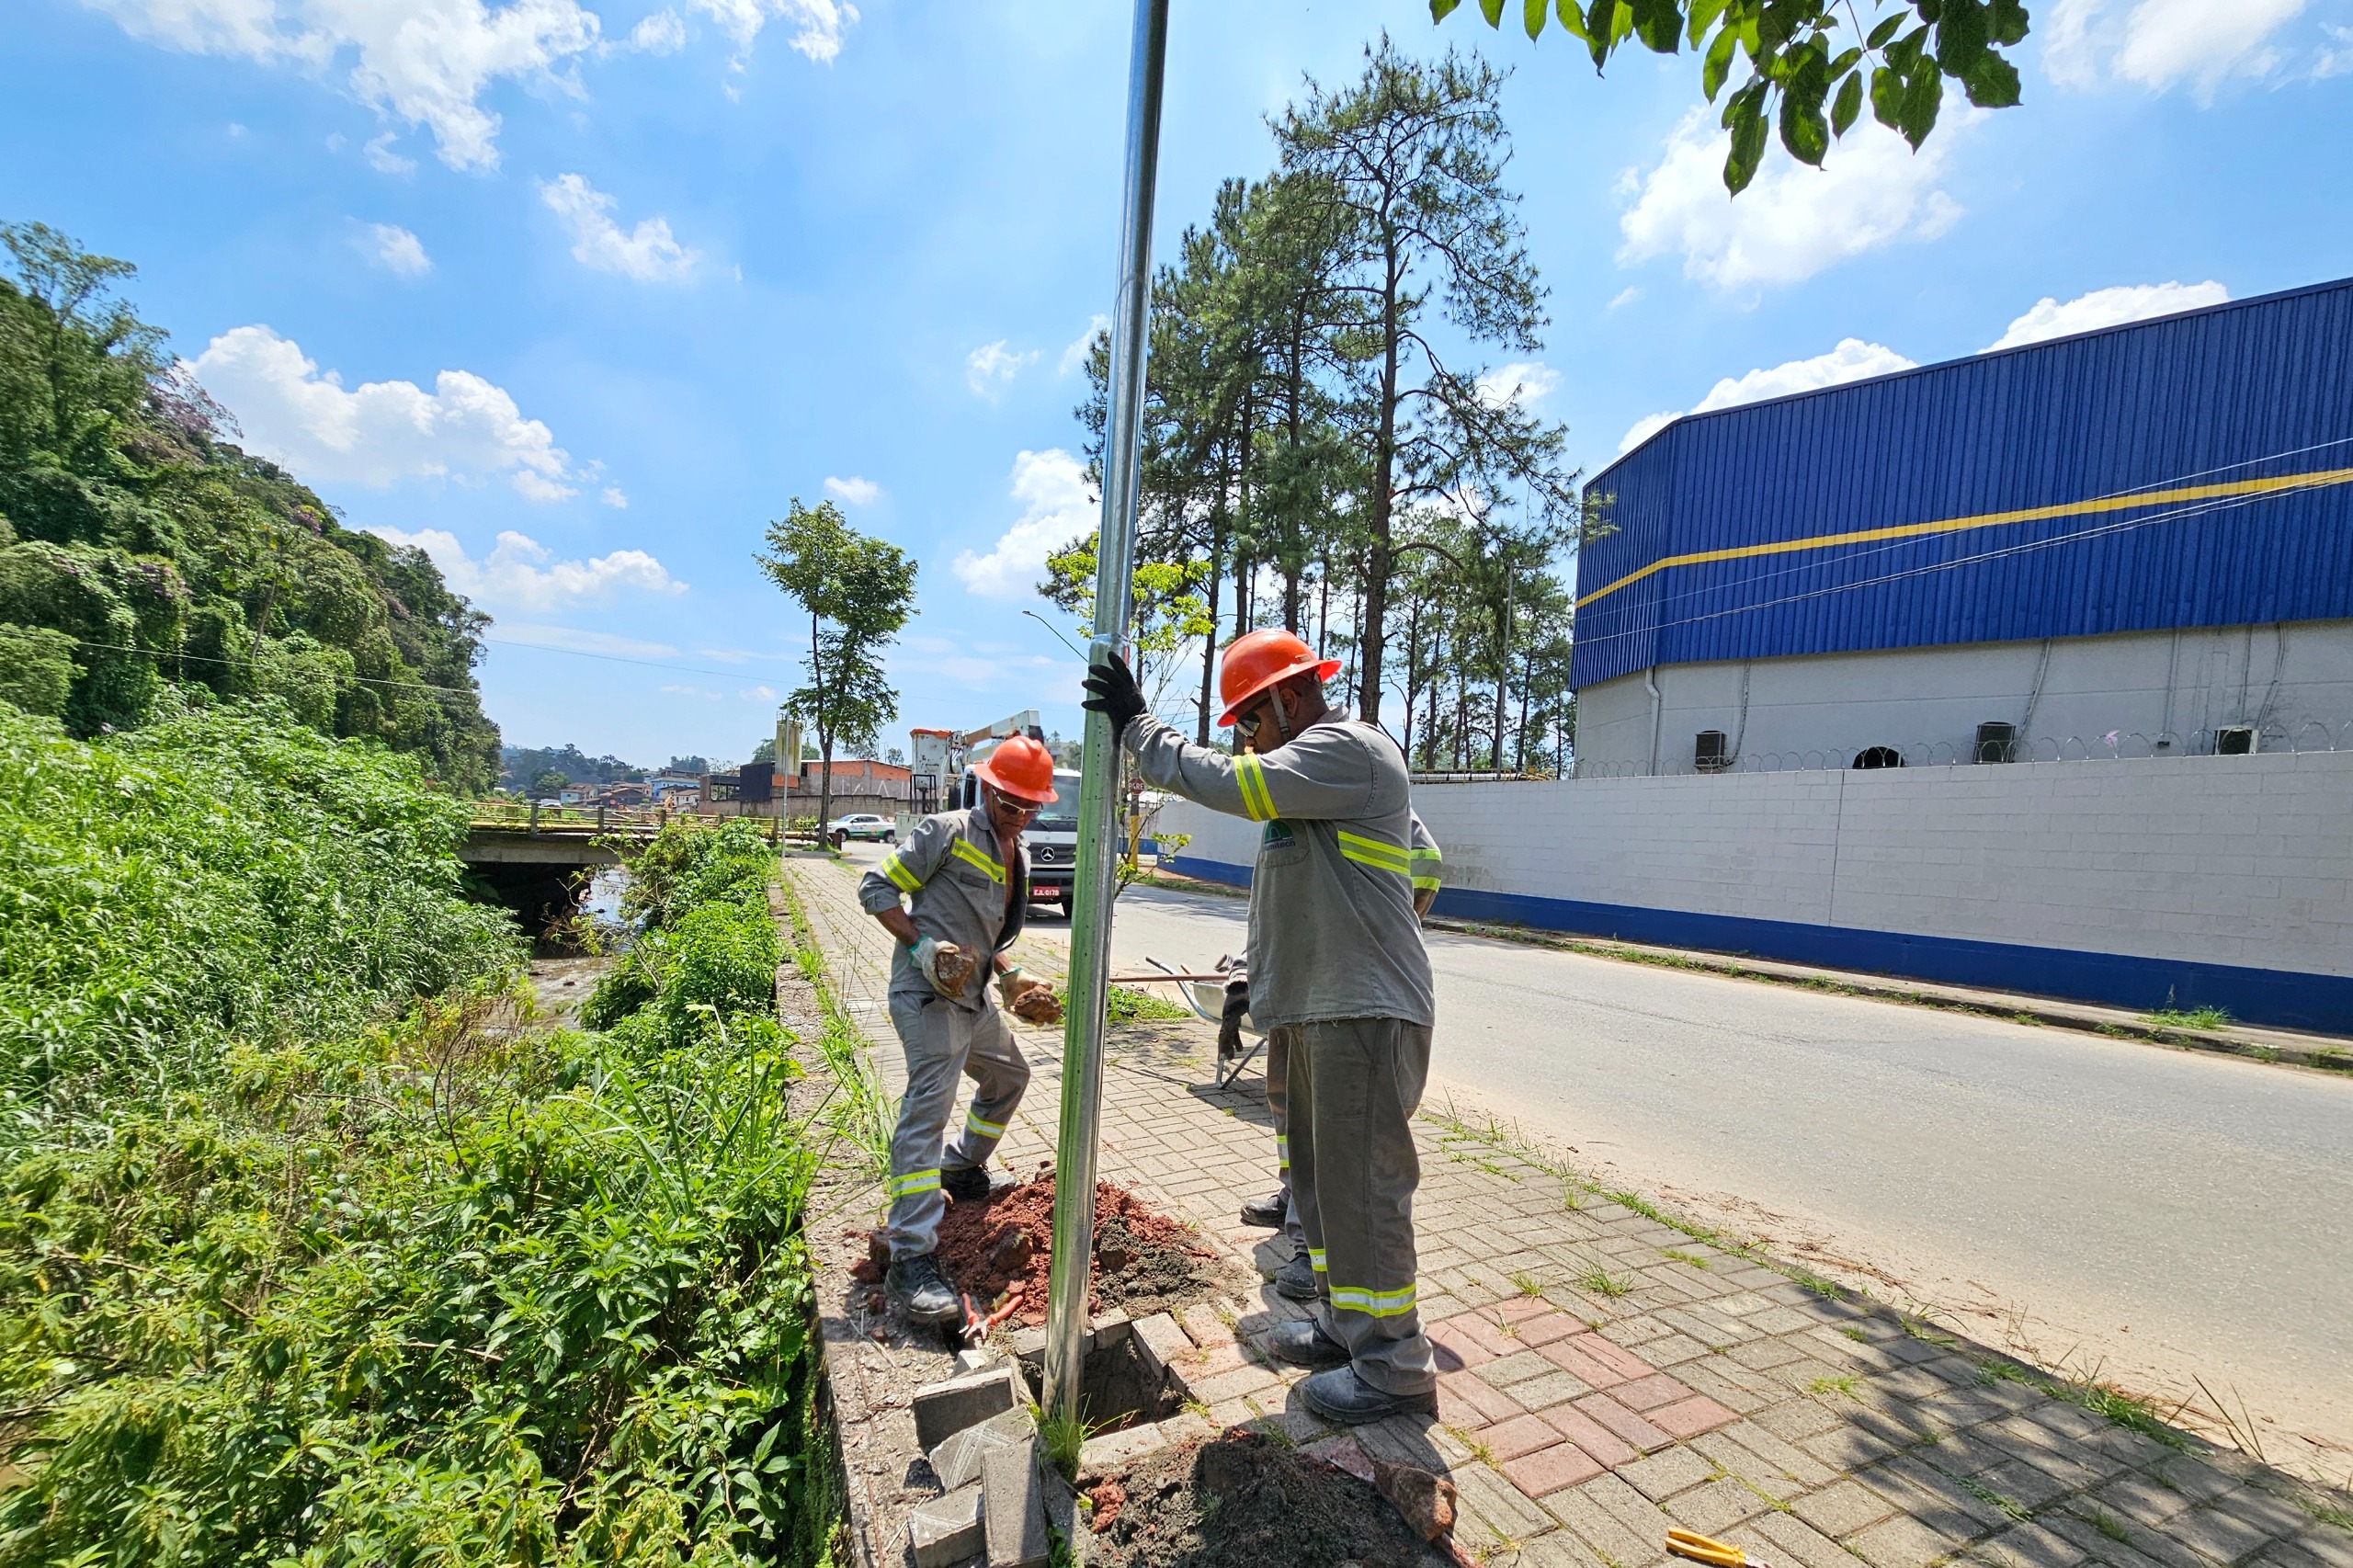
<point x="1519" y="737"/>
<point x="1208" y="642"/>
<point x="1384" y="457"/>
<point x="1430" y="727"/>
<point x="1502" y="662"/>
<point x="824" y="733"/>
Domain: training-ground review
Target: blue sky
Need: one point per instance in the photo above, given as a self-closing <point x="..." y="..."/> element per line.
<point x="581" y="293"/>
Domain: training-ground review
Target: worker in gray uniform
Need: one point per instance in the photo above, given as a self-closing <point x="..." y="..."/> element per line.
<point x="1335" y="961"/>
<point x="1276" y="1211"/>
<point x="967" y="883"/>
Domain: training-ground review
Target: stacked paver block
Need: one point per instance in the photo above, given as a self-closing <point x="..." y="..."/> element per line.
<point x="1712" y="1393"/>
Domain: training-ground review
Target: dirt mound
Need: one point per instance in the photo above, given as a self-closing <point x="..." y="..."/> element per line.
<point x="1144" y="1261"/>
<point x="1243" y="1502"/>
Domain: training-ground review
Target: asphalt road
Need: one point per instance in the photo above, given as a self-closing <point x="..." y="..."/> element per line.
<point x="2105" y="1206"/>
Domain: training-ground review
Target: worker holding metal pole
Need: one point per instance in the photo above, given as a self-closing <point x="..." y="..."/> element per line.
<point x="1098" y="801"/>
<point x="1335" y="958"/>
<point x="1280" y="1210"/>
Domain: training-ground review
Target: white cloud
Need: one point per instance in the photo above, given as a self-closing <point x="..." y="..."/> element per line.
<point x="521" y="572"/>
<point x="426" y="63"/>
<point x="989" y="369"/>
<point x="1852" y="360"/>
<point x="2107" y="307"/>
<point x="1527" y="384"/>
<point x="649" y="253"/>
<point x="391" y="246"/>
<point x="577" y="641"/>
<point x="856" y="491"/>
<point x="384" y="431"/>
<point x="817" y="24"/>
<point x="1074" y="356"/>
<point x="661" y="33"/>
<point x="383" y="160"/>
<point x="613" y="497"/>
<point x="1792" y="220"/>
<point x="1624" y="297"/>
<point x="758" y="693"/>
<point x="1056" y="507"/>
<point x="1643" y="429"/>
<point x="2337" y="58"/>
<point x="2157" y="43"/>
<point x="691" y="691"/>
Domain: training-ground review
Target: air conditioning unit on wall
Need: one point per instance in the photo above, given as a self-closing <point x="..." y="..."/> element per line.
<point x="1710" y="752"/>
<point x="2236" y="740"/>
<point x="1996" y="741"/>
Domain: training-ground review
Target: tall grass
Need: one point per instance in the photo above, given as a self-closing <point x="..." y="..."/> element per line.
<point x="315" y="1247"/>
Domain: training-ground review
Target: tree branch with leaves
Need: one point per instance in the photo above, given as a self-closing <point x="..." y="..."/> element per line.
<point x="1810" y="62"/>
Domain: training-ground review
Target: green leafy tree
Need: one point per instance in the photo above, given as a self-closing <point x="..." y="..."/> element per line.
<point x="859" y="591"/>
<point x="1167" y="607"/>
<point x="1808" y="59"/>
<point x="134" y="527"/>
<point x="1410" y="159"/>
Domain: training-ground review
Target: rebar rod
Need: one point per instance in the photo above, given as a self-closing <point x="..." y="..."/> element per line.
<point x="1098" y="793"/>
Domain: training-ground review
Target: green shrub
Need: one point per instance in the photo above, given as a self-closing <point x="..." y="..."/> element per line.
<point x="314" y="1248"/>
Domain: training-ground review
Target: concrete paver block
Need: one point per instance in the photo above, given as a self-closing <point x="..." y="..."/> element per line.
<point x="946" y="1529"/>
<point x="942" y="1410"/>
<point x="1160" y="1341"/>
<point x="957" y="1461"/>
<point x="1014" y="1501"/>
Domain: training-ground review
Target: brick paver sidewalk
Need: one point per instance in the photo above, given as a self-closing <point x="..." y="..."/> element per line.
<point x="1607" y="1376"/>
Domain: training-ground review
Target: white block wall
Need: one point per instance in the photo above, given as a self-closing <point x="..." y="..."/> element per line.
<point x="2242" y="860"/>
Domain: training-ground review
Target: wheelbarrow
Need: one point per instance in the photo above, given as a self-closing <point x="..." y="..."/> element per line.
<point x="1205" y="994"/>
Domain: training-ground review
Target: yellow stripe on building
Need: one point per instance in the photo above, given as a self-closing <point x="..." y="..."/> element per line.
<point x="2314" y="479"/>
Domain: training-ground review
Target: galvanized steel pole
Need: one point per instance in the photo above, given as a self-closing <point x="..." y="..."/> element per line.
<point x="1098" y="793"/>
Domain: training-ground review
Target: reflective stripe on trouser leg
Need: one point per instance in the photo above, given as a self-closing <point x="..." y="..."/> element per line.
<point x="999" y="1075"/>
<point x="934" y="1036"/>
<point x="1355" y="1085"/>
<point x="1278" y="1111"/>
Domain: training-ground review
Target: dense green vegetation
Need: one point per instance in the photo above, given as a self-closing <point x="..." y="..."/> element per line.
<point x="315" y="1248"/>
<point x="139" y="549"/>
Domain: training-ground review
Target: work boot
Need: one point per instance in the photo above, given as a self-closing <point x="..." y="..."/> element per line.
<point x="965" y="1184"/>
<point x="921" y="1291"/>
<point x="1297" y="1279"/>
<point x="1267" y="1213"/>
<point x="1341" y="1395"/>
<point x="1305" y="1344"/>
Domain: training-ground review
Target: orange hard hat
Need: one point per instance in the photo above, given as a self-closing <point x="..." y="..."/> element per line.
<point x="1257" y="660"/>
<point x="1021" y="767"/>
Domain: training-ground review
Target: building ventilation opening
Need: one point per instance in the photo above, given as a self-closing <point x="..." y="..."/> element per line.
<point x="1710" y="752"/>
<point x="2238" y="740"/>
<point x="1879" y="757"/>
<point x="1997" y="741"/>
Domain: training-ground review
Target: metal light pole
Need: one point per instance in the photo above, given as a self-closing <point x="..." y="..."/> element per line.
<point x="1099" y="791"/>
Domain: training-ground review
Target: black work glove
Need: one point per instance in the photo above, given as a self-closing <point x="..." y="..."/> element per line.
<point x="1229" y="1028"/>
<point x="1111" y="691"/>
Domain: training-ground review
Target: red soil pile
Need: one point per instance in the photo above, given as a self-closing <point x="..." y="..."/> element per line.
<point x="1144" y="1261"/>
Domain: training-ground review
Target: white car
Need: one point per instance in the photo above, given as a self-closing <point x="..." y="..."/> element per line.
<point x="861" y="825"/>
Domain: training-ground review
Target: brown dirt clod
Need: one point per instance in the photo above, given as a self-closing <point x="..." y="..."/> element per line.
<point x="1008" y="1240"/>
<point x="1242" y="1501"/>
<point x="1038" y="1005"/>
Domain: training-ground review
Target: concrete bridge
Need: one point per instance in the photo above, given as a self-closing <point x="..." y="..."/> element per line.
<point x="537" y="859"/>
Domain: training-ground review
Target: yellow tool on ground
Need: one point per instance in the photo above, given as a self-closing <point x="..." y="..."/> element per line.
<point x="1704" y="1549"/>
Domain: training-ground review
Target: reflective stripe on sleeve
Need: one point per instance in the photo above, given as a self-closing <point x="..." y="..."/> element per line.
<point x="908" y="1185"/>
<point x="1373" y="1303"/>
<point x="1426" y="864"/>
<point x="963" y="850"/>
<point x="1372" y="852"/>
<point x="1250" y="777"/>
<point x="901" y="878"/>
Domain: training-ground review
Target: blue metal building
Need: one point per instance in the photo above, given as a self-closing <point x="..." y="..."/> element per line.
<point x="2192" y="470"/>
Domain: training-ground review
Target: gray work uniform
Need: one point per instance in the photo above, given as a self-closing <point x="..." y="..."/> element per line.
<point x="1337" y="965"/>
<point x="951" y="869"/>
<point x="1428" y="871"/>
